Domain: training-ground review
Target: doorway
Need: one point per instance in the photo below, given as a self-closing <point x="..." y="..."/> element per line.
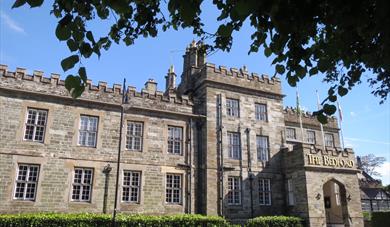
<point x="335" y="204"/>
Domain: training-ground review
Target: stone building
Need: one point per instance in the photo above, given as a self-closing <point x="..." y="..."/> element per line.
<point x="218" y="143"/>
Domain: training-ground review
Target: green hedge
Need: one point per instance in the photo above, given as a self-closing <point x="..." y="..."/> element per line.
<point x="274" y="221"/>
<point x="97" y="220"/>
<point x="380" y="219"/>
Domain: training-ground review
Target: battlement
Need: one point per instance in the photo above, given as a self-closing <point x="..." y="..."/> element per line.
<point x="242" y="74"/>
<point x="20" y="79"/>
<point x="291" y="114"/>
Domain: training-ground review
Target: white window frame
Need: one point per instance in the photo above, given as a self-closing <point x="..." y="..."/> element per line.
<point x="38" y="114"/>
<point x="262" y="152"/>
<point x="88" y="131"/>
<point x="233" y="107"/>
<point x="234" y="190"/>
<point x="261" y="112"/>
<point x="82" y="185"/>
<point x="175" y="141"/>
<point x="308" y="138"/>
<point x="27" y="181"/>
<point x="172" y="189"/>
<point x="290" y="191"/>
<point x="265" y="192"/>
<point x="132" y="135"/>
<point x="329" y="143"/>
<point x="133" y="186"/>
<point x="234" y="144"/>
<point x="292" y="130"/>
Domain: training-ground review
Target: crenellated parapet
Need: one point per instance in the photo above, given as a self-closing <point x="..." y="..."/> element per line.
<point x="54" y="86"/>
<point x="240" y="78"/>
<point x="291" y="115"/>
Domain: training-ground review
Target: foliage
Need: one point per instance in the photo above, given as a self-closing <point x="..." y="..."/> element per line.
<point x="369" y="163"/>
<point x="380" y="219"/>
<point x="87" y="220"/>
<point x="274" y="221"/>
<point x="367" y="215"/>
<point x="342" y="40"/>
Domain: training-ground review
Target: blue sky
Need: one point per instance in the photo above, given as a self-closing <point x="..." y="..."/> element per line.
<point x="27" y="40"/>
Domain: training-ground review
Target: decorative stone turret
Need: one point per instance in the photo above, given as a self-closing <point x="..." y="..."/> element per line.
<point x="170" y="80"/>
<point x="195" y="56"/>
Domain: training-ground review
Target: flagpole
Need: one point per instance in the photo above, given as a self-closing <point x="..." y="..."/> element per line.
<point x="340" y="125"/>
<point x="119" y="154"/>
<point x="300" y="115"/>
<point x="322" y="127"/>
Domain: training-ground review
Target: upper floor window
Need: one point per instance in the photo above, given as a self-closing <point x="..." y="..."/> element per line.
<point x="173" y="188"/>
<point x="175" y="140"/>
<point x="232" y="107"/>
<point x="290" y="191"/>
<point x="134" y="136"/>
<point x="26" y="182"/>
<point x="290" y="134"/>
<point x="82" y="184"/>
<point x="88" y="130"/>
<point x="329" y="140"/>
<point x="264" y="191"/>
<point x="234" y="145"/>
<point x="311" y="136"/>
<point x="35" y="125"/>
<point x="131" y="186"/>
<point x="262" y="148"/>
<point x="234" y="191"/>
<point x="261" y="112"/>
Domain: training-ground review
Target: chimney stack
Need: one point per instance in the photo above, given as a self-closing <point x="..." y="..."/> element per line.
<point x="151" y="86"/>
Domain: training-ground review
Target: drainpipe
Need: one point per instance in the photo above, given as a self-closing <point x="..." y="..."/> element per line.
<point x="250" y="174"/>
<point x="220" y="153"/>
<point x="241" y="168"/>
<point x="189" y="201"/>
<point x="106" y="170"/>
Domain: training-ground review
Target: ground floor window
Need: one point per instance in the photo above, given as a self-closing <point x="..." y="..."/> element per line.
<point x="131" y="186"/>
<point x="290" y="190"/>
<point x="173" y="188"/>
<point x="234" y="191"/>
<point x="26" y="182"/>
<point x="264" y="191"/>
<point x="82" y="184"/>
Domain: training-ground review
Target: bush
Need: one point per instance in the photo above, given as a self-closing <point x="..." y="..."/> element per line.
<point x="380" y="218"/>
<point x="367" y="216"/>
<point x="274" y="221"/>
<point x="104" y="220"/>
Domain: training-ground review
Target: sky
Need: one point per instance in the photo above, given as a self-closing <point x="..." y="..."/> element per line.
<point x="27" y="40"/>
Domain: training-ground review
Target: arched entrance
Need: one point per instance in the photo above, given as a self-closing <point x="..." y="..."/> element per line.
<point x="335" y="203"/>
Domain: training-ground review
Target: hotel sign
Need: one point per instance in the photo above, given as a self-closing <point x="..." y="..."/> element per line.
<point x="329" y="161"/>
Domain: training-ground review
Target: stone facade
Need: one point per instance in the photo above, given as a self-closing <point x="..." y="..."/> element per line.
<point x="213" y="179"/>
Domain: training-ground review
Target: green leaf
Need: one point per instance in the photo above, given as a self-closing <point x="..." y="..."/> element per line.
<point x="322" y="118"/>
<point x="301" y="72"/>
<point x="86" y="50"/>
<point x="83" y="74"/>
<point x="292" y="81"/>
<point x="72" y="45"/>
<point x="342" y="91"/>
<point x="62" y="32"/>
<point x="329" y="109"/>
<point x="90" y="36"/>
<point x="69" y="62"/>
<point x="267" y="52"/>
<point x="35" y="3"/>
<point x="74" y="85"/>
<point x="313" y="71"/>
<point x="332" y="98"/>
<point x="18" y="3"/>
<point x="280" y="69"/>
<point x="225" y="30"/>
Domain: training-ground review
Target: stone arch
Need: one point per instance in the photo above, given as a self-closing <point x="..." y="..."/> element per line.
<point x="335" y="201"/>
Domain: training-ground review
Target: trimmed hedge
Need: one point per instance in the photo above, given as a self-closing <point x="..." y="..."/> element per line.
<point x="380" y="218"/>
<point x="104" y="220"/>
<point x="274" y="221"/>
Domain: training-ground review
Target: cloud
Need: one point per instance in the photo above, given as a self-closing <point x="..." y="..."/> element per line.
<point x="353" y="114"/>
<point x="384" y="170"/>
<point x="367" y="141"/>
<point x="13" y="25"/>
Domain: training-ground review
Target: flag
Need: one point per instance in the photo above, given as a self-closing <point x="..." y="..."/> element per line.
<point x="300" y="116"/>
<point x="340" y="112"/>
<point x="298" y="107"/>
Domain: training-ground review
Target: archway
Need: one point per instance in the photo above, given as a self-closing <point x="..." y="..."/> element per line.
<point x="335" y="203"/>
